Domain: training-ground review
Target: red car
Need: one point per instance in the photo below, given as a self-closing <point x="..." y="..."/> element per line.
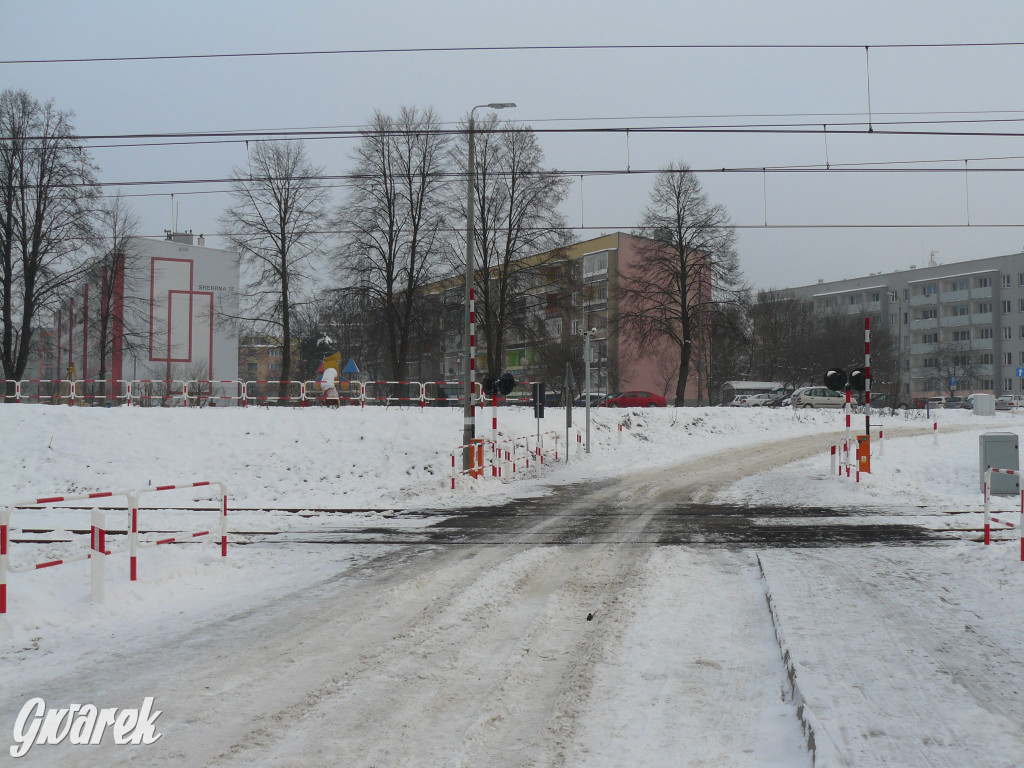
<point x="634" y="399"/>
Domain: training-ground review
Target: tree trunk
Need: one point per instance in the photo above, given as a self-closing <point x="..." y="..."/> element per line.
<point x="684" y="371"/>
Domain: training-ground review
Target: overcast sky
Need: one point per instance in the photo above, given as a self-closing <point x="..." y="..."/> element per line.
<point x="583" y="88"/>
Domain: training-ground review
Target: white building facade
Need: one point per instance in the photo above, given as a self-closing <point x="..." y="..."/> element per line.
<point x="163" y="311"/>
<point x="978" y="305"/>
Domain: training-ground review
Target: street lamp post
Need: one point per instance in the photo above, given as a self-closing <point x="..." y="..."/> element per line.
<point x="468" y="419"/>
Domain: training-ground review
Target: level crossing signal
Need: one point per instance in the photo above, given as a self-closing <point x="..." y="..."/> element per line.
<point x="493" y="385"/>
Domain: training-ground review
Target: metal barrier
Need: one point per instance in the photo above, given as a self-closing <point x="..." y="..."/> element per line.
<point x="146" y="392"/>
<point x="98" y="537"/>
<point x="194" y="394"/>
<point x="389" y="392"/>
<point x="989" y="519"/>
<point x="352" y="395"/>
<point x="443" y="393"/>
<point x="57" y="390"/>
<point x="257" y="391"/>
<point x="5" y="384"/>
<point x="135" y="543"/>
<point x="81" y="391"/>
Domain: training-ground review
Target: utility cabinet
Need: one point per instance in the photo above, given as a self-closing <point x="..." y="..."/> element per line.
<point x="999" y="450"/>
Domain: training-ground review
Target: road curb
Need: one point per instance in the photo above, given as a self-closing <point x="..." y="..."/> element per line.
<point x="821" y="756"/>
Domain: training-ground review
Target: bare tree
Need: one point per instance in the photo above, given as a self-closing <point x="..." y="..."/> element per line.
<point x="393" y="220"/>
<point x="47" y="185"/>
<point x="687" y="269"/>
<point x="517" y="216"/>
<point x="276" y="221"/>
<point x="953" y="365"/>
<point x="119" y="321"/>
<point x="782" y="330"/>
<point x="730" y="343"/>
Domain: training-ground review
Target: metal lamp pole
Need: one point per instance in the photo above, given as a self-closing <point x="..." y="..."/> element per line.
<point x="468" y="419"/>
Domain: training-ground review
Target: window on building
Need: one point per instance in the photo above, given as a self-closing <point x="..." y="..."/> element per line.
<point x="854" y="299"/>
<point x="1007" y="358"/>
<point x="984" y="282"/>
<point x="986" y="383"/>
<point x="830" y="303"/>
<point x="1007" y="307"/>
<point x="1008" y="384"/>
<point x="1007" y="281"/>
<point x="1007" y="333"/>
<point x="986" y="358"/>
<point x="595" y="264"/>
<point x="875" y="297"/>
<point x="985" y="308"/>
<point x="958" y="285"/>
<point x="928" y="290"/>
<point x="961" y="335"/>
<point x="1020" y="305"/>
<point x="929" y="314"/>
<point x="984" y="333"/>
<point x="929" y="362"/>
<point x="929" y="338"/>
<point x="960" y="310"/>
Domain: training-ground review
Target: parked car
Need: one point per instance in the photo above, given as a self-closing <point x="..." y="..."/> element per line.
<point x="633" y="399"/>
<point x="1009" y="402"/>
<point x="957" y="402"/>
<point x="817" y="397"/>
<point x="779" y="400"/>
<point x="595" y="400"/>
<point x="755" y="401"/>
<point x="738" y="401"/>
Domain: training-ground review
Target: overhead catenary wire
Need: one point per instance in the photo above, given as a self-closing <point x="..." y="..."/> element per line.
<point x="512" y="49"/>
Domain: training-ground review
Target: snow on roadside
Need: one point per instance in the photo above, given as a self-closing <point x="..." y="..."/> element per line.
<point x="384" y="459"/>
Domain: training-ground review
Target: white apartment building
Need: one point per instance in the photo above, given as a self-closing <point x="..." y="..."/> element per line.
<point x="978" y="304"/>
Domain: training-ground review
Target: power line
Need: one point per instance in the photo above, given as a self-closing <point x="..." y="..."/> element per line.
<point x="350" y="179"/>
<point x="513" y="49"/>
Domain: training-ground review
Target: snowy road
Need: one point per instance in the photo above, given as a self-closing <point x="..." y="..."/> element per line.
<point x="479" y="651"/>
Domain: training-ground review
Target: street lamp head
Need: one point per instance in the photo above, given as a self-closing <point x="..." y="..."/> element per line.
<point x="501" y="105"/>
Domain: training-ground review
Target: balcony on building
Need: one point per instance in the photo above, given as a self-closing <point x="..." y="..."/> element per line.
<point x="927" y="300"/>
<point x="952" y="297"/>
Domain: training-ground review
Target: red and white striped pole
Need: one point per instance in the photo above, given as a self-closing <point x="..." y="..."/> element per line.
<point x="98" y="556"/>
<point x="224" y="523"/>
<point x="867" y="382"/>
<point x="133" y="538"/>
<point x="5" y="521"/>
<point x="848" y="410"/>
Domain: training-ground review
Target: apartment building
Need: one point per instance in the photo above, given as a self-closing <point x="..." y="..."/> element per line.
<point x="976" y="306"/>
<point x="567" y="291"/>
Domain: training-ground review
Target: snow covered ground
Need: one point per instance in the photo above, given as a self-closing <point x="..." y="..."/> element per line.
<point x="901" y="655"/>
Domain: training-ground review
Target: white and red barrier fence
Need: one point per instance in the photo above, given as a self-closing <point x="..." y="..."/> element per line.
<point x="161" y="392"/>
<point x="99" y="547"/>
<point x="989" y="518"/>
<point x="506" y="459"/>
